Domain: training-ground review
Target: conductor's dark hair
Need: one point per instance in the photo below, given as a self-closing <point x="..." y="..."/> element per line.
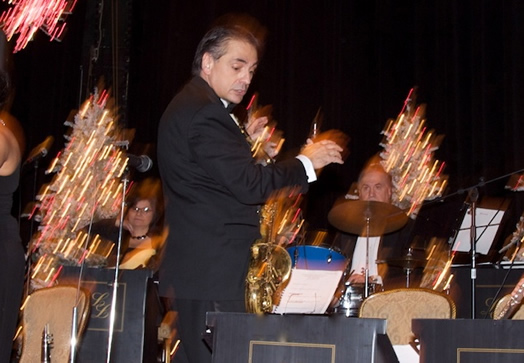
<point x="229" y="27"/>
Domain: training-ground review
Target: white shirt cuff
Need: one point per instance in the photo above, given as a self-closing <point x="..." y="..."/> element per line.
<point x="308" y="166"/>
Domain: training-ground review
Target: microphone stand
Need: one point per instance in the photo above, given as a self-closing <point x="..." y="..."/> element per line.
<point x="125" y="182"/>
<point x="74" y="321"/>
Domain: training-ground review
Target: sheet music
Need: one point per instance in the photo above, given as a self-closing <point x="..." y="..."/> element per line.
<point x="487" y="223"/>
<point x="308" y="292"/>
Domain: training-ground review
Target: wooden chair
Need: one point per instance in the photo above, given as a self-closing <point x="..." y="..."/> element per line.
<point x="400" y="306"/>
<point x="52" y="306"/>
<point x="517" y="313"/>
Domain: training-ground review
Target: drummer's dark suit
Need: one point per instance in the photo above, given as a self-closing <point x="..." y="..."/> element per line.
<point x="392" y="245"/>
<point x="213" y="190"/>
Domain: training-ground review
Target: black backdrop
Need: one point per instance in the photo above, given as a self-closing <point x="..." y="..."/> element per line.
<point x="356" y="59"/>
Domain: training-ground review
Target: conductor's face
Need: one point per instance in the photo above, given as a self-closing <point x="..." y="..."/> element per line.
<point x="231" y="74"/>
<point x="375" y="185"/>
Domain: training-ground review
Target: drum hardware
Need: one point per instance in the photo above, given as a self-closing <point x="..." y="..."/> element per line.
<point x="47" y="344"/>
<point x="366" y="281"/>
<point x="349" y="295"/>
<point x="352" y="298"/>
<point x="366" y="218"/>
<point x="408" y="263"/>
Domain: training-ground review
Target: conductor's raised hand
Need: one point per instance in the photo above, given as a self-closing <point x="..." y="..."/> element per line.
<point x="255" y="127"/>
<point x="322" y="153"/>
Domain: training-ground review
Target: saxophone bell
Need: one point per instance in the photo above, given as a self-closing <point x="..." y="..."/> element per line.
<point x="270" y="263"/>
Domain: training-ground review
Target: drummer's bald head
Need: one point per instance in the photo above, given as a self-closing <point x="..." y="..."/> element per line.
<point x="374" y="183"/>
<point x="377" y="167"/>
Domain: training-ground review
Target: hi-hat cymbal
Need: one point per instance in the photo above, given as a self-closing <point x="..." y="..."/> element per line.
<point x="354" y="216"/>
<point x="405" y="262"/>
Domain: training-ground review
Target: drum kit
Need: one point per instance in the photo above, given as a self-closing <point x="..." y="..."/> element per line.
<point x="362" y="218"/>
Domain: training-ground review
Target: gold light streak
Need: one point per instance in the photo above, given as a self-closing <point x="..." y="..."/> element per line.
<point x="106" y="197"/>
<point x="408" y="131"/>
<point x="109" y="128"/>
<point x="105" y="152"/>
<point x="53" y="165"/>
<point x="116" y="202"/>
<point x="87" y="184"/>
<point x="84" y="109"/>
<point x="67" y="160"/>
<point x="37" y="267"/>
<point x="58" y="247"/>
<point x="50" y="275"/>
<point x="64" y="247"/>
<point x="65" y="181"/>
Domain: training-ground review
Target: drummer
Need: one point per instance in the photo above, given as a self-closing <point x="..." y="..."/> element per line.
<point x="375" y="184"/>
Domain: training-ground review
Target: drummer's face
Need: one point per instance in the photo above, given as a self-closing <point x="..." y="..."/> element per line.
<point x="375" y="185"/>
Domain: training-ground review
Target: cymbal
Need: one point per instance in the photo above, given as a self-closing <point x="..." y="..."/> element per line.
<point x="353" y="216"/>
<point x="405" y="262"/>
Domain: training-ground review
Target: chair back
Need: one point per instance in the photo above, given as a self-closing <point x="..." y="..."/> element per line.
<point x="400" y="306"/>
<point x="52" y="306"/>
<point x="505" y="307"/>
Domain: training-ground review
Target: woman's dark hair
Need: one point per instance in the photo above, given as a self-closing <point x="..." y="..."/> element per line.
<point x="229" y="27"/>
<point x="149" y="189"/>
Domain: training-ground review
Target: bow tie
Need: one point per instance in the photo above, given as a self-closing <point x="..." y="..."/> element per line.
<point x="230" y="107"/>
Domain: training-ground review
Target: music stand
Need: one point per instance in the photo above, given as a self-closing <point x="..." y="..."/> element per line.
<point x="487" y="222"/>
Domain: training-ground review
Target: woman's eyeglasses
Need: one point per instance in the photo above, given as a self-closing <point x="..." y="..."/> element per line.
<point x="142" y="210"/>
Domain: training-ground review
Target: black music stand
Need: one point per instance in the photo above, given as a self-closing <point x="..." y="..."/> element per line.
<point x="138" y="313"/>
<point x="240" y="338"/>
<point x="469" y="340"/>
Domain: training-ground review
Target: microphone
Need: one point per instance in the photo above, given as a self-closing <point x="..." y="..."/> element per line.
<point x="141" y="163"/>
<point x="40" y="150"/>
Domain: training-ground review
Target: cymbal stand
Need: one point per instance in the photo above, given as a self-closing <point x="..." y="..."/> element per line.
<point x="473" y="195"/>
<point x="408" y="269"/>
<point x="366" y="272"/>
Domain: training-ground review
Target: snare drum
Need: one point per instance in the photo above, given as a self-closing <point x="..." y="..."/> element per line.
<point x="352" y="298"/>
<point x="317" y="258"/>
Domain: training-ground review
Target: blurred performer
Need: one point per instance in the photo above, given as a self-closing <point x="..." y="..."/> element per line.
<point x="12" y="261"/>
<point x="142" y="234"/>
<point x="212" y="184"/>
<point x="374" y="184"/>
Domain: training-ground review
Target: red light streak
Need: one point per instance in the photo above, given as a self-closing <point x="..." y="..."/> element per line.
<point x="27" y="16"/>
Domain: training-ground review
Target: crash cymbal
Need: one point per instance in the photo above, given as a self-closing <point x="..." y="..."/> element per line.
<point x="405" y="262"/>
<point x="353" y="216"/>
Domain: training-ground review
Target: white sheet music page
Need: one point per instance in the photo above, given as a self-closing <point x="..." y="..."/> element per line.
<point x="308" y="292"/>
<point x="487" y="222"/>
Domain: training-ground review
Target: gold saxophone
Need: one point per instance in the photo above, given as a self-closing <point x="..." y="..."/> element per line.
<point x="270" y="264"/>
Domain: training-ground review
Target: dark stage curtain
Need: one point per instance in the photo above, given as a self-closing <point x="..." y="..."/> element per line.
<point x="356" y="60"/>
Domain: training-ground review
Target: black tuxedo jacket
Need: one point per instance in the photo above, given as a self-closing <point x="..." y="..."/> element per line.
<point x="213" y="190"/>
